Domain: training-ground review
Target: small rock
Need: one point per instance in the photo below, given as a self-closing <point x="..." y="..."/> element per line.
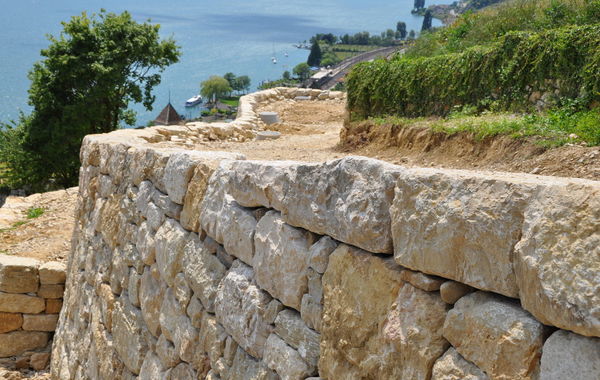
<point x="452" y="291"/>
<point x="53" y="273"/>
<point x="51" y="291"/>
<point x="39" y="360"/>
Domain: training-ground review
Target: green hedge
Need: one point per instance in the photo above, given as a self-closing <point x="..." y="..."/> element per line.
<point x="502" y="74"/>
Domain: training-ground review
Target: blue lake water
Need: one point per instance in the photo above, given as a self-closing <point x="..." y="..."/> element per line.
<point x="215" y="37"/>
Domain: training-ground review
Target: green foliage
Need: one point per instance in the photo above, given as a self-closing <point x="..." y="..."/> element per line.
<point x="329" y="59"/>
<point x="214" y="88"/>
<point x="302" y="71"/>
<point x="401" y="30"/>
<point x="315" y="56"/>
<point x="241" y="83"/>
<point x="427" y="21"/>
<point x="34" y="212"/>
<point x="90" y="73"/>
<point x="499" y="75"/>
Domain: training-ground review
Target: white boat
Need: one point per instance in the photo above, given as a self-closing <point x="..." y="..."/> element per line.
<point x="193" y="101"/>
<point x="274" y="60"/>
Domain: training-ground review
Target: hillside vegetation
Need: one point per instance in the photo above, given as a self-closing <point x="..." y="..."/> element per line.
<point x="538" y="62"/>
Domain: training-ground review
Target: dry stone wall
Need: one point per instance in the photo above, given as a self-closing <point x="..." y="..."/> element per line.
<point x="190" y="264"/>
<point x="31" y="295"/>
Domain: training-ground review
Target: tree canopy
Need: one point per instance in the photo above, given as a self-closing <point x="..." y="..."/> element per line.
<point x="214" y="88"/>
<point x="314" y="58"/>
<point x="89" y="74"/>
<point x="302" y="71"/>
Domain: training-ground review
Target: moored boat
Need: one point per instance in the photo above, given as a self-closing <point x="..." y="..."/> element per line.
<point x="193" y="101"/>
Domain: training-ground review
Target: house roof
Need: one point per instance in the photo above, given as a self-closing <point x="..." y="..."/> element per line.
<point x="168" y="116"/>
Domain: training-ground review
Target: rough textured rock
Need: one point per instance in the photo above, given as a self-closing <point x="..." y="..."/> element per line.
<point x="212" y="341"/>
<point x="311" y="312"/>
<point x="460" y="225"/>
<point x="151" y="297"/>
<point x="17" y="342"/>
<point x="21" y="303"/>
<point x="559" y="278"/>
<point x="53" y="272"/>
<point x="319" y="253"/>
<point x="284" y="360"/>
<point x="281" y="259"/>
<point x="177" y="327"/>
<point x="151" y="368"/>
<point x="245" y="367"/>
<point x="182" y="372"/>
<point x="127" y="334"/>
<point x="290" y="327"/>
<point x="422" y="281"/>
<point x="51" y="291"/>
<point x="40" y="322"/>
<point x="240" y="307"/>
<point x="496" y="335"/>
<point x="570" y="356"/>
<point x="166" y="352"/>
<point x="452" y="291"/>
<point x="359" y="289"/>
<point x="10" y="322"/>
<point x="413" y="332"/>
<point x="452" y="366"/>
<point x="53" y="306"/>
<point x="347" y="199"/>
<point x="190" y="215"/>
<point x="203" y="271"/>
<point x="39" y="360"/>
<point x="18" y="274"/>
<point x="171" y="239"/>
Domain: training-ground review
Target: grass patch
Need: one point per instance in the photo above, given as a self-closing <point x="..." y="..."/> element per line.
<point x="551" y="129"/>
<point x="34" y="212"/>
<point x="233" y="101"/>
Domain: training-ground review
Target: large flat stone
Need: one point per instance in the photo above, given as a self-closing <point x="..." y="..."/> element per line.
<point x="570" y="356"/>
<point x="284" y="360"/>
<point x="240" y="307"/>
<point x="170" y="239"/>
<point x="557" y="261"/>
<point x="151" y="297"/>
<point x="203" y="271"/>
<point x="281" y="259"/>
<point x="18" y="274"/>
<point x="292" y="329"/>
<point x="10" y="322"/>
<point x="359" y="289"/>
<point x="127" y="334"/>
<point x="17" y="342"/>
<point x="53" y="272"/>
<point x="177" y="327"/>
<point x="245" y="367"/>
<point x="461" y="225"/>
<point x="452" y="366"/>
<point x="347" y="199"/>
<point x="21" y="303"/>
<point x="496" y="335"/>
<point x="40" y="322"/>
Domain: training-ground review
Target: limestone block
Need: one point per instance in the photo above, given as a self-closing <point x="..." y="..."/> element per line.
<point x="17" y="342"/>
<point x="315" y="287"/>
<point x="144" y="196"/>
<point x="284" y="360"/>
<point x="496" y="335"/>
<point x="53" y="306"/>
<point x="151" y="368"/>
<point x="53" y="272"/>
<point x="182" y="372"/>
<point x="358" y="288"/>
<point x="155" y="216"/>
<point x="311" y="312"/>
<point x="225" y="220"/>
<point x="190" y="215"/>
<point x="151" y="297"/>
<point x="134" y="287"/>
<point x="177" y="327"/>
<point x="183" y="293"/>
<point x="111" y="219"/>
<point x="119" y="272"/>
<point x="461" y="225"/>
<point x="166" y="352"/>
<point x="127" y="334"/>
<point x="290" y="327"/>
<point x="240" y="306"/>
<point x="195" y="311"/>
<point x="452" y="291"/>
<point x="145" y="244"/>
<point x="570" y="356"/>
<point x="319" y="253"/>
<point x="21" y="303"/>
<point x="10" y="322"/>
<point x="166" y="205"/>
<point x="18" y="274"/>
<point x="347" y="199"/>
<point x="281" y="259"/>
<point x="452" y="366"/>
<point x="170" y="242"/>
<point x="422" y="281"/>
<point x="212" y="339"/>
<point x="39" y="360"/>
<point x="272" y="310"/>
<point x="557" y="261"/>
<point x="203" y="271"/>
<point x="413" y="331"/>
<point x="40" y="322"/>
<point x="245" y="367"/>
<point x="51" y="291"/>
<point x="107" y="305"/>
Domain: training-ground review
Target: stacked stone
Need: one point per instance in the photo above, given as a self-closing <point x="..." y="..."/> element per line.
<point x="204" y="265"/>
<point x="30" y="300"/>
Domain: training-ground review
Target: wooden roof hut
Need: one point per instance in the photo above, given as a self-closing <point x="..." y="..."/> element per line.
<point x="168" y="116"/>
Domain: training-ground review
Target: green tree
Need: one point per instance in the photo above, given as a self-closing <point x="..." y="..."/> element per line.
<point x="89" y="75"/>
<point x="242" y="83"/>
<point x="412" y="35"/>
<point x="401" y="30"/>
<point x="302" y="71"/>
<point x="214" y="88"/>
<point x="286" y="75"/>
<point x="231" y="78"/>
<point x="314" y="58"/>
<point x="329" y="59"/>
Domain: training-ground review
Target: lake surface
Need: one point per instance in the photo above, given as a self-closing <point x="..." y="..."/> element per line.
<point x="215" y="37"/>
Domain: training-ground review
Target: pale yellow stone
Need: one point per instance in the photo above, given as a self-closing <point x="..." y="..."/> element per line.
<point x="40" y="322"/>
<point x="17" y="342"/>
<point x="18" y="274"/>
<point x="21" y="303"/>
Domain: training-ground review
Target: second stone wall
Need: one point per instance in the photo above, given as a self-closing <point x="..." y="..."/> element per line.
<point x="192" y="264"/>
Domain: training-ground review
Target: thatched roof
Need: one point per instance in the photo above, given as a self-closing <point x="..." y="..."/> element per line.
<point x="168" y="116"/>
